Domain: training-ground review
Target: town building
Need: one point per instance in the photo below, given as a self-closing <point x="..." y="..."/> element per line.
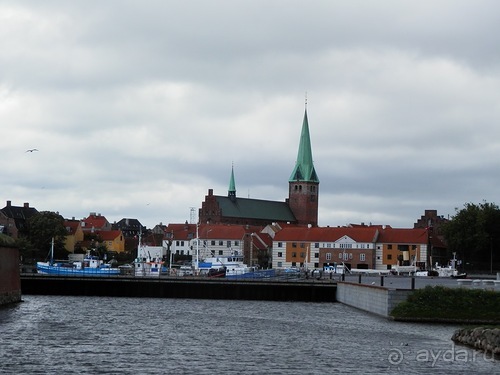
<point x="74" y="235"/>
<point x="15" y="219"/>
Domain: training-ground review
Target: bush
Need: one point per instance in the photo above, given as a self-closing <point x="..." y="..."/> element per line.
<point x="443" y="303"/>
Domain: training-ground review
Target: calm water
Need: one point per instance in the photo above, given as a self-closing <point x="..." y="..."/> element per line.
<point x="100" y="335"/>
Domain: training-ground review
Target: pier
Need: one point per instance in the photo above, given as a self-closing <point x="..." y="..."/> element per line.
<point x="181" y="287"/>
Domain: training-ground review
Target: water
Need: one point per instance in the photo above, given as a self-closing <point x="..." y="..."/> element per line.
<point x="101" y="335"/>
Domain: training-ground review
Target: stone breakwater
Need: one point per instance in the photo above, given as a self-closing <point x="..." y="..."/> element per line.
<point x="481" y="338"/>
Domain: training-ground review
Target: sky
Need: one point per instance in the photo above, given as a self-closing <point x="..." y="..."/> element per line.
<point x="137" y="108"/>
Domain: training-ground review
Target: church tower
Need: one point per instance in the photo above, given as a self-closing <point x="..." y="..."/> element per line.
<point x="303" y="185"/>
<point x="231" y="193"/>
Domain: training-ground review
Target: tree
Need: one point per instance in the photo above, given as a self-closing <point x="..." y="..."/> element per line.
<point x="474" y="233"/>
<point x="42" y="227"/>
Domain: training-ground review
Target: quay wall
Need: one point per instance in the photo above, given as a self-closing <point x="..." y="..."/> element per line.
<point x="371" y="298"/>
<point x="10" y="282"/>
<point x="121" y="286"/>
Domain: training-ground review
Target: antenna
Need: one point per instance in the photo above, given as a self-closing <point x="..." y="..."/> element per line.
<point x="191" y="215"/>
<point x="305" y="100"/>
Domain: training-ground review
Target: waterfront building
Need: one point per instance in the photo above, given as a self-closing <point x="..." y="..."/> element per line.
<point x="315" y="247"/>
<point x="406" y="246"/>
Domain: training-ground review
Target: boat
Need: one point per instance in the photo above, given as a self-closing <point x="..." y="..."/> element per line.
<point x="449" y="270"/>
<point x="91" y="265"/>
<point x="232" y="267"/>
<point x="146" y="265"/>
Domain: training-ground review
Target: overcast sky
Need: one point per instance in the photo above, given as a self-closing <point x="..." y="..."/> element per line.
<point x="138" y="108"/>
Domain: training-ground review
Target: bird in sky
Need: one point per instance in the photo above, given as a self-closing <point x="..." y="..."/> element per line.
<point x="31" y="150"/>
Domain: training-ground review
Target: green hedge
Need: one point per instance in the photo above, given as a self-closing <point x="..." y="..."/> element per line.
<point x="443" y="303"/>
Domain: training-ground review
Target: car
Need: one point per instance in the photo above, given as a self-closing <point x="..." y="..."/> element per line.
<point x="292" y="269"/>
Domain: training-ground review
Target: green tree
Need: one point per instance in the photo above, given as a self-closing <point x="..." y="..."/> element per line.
<point x="474" y="234"/>
<point x="44" y="226"/>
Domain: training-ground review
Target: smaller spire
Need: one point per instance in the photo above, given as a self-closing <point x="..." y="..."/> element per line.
<point x="231" y="193"/>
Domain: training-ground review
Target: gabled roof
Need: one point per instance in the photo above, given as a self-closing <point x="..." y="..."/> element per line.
<point x="181" y="231"/>
<point x="19" y="212"/>
<point x="304" y="167"/>
<point x="71" y="226"/>
<point x="110" y="235"/>
<point x="247" y="208"/>
<point x="95" y="221"/>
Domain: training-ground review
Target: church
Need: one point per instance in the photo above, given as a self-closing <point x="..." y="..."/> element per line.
<point x="300" y="208"/>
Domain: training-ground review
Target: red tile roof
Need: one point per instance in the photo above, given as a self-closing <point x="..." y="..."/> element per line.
<point x="403" y="235"/>
<point x="327" y="234"/>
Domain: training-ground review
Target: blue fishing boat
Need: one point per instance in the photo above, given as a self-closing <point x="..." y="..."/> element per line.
<point x="90" y="266"/>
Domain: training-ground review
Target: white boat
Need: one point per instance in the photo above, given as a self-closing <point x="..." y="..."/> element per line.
<point x="231" y="267"/>
<point x="146" y="265"/>
<point x="449" y="270"/>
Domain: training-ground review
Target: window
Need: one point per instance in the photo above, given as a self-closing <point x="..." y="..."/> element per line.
<point x="221" y="252"/>
<point x="294" y="244"/>
<point x="389" y="256"/>
<point x="212" y="242"/>
<point x="294" y="254"/>
<point x="302" y="255"/>
<point x="362" y="257"/>
<point x="316" y="255"/>
<point x="182" y="243"/>
<point x="316" y="245"/>
<point x="236" y="243"/>
<point x="328" y="256"/>
<point x="280" y="254"/>
<point x="302" y="245"/>
<point x="340" y="255"/>
<point x="346" y="256"/>
<point x="221" y="243"/>
<point x="279" y="264"/>
<point x="389" y="247"/>
<point x="228" y="244"/>
<point x="280" y="244"/>
<point x="176" y="243"/>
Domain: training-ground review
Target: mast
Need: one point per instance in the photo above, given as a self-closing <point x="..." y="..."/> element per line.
<point x="52" y="252"/>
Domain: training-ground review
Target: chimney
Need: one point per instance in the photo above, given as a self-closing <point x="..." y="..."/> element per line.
<point x="9" y="203"/>
<point x="26" y="205"/>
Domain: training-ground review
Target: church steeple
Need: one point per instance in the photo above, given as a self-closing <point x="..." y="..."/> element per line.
<point x="231" y="193"/>
<point x="303" y="185"/>
<point x="304" y="167"/>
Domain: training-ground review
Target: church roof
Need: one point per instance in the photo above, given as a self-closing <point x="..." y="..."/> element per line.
<point x="255" y="209"/>
<point x="304" y="167"/>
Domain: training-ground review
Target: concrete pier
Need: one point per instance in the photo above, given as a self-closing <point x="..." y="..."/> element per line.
<point x="372" y="298"/>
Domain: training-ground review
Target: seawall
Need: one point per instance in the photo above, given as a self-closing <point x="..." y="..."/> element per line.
<point x="185" y="287"/>
<point x="372" y="298"/>
<point x="10" y="282"/>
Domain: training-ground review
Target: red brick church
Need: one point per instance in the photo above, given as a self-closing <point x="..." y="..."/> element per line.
<point x="300" y="208"/>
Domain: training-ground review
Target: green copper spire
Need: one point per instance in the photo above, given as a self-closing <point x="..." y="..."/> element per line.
<point x="304" y="168"/>
<point x="232" y="186"/>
